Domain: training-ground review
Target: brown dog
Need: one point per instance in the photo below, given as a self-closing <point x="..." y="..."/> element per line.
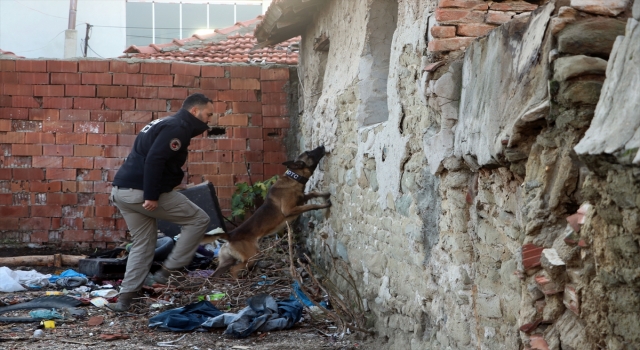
<point x="284" y="203"/>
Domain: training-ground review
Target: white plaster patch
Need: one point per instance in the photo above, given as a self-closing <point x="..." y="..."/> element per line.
<point x="88" y="128"/>
<point x="365" y="274"/>
<point x="489" y="332"/>
<point x="383" y="293"/>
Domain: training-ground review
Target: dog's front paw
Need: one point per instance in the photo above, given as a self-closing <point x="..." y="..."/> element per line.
<point x="325" y="195"/>
<point x="328" y="203"/>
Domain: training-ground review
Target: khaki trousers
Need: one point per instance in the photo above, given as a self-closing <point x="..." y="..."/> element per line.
<point x="173" y="207"/>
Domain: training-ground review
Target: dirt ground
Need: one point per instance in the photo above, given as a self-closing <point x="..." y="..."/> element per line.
<point x="315" y="332"/>
<point x="78" y="335"/>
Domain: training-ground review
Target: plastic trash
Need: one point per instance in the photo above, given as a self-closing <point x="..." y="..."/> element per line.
<point x="48" y="324"/>
<point x="212" y="297"/>
<point x="265" y="281"/>
<point x="38" y="333"/>
<point x="300" y="296"/>
<point x="99" y="302"/>
<point x="45" y="314"/>
<point x="105" y="293"/>
<point x="82" y="289"/>
<point x="67" y="273"/>
<point x="11" y="281"/>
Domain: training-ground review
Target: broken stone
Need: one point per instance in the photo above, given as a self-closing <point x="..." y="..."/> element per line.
<point x="552" y="263"/>
<point x="432" y="67"/>
<point x="571" y="238"/>
<point x="574" y="222"/>
<point x="594" y="37"/>
<point x="439" y="147"/>
<point x="530" y="327"/>
<point x="572" y="331"/>
<point x="566" y="15"/>
<point x="540" y="304"/>
<point x="534" y="291"/>
<point x="95" y="320"/>
<point x="584" y="208"/>
<point x="567" y="12"/>
<point x="537" y="342"/>
<point x="489" y="306"/>
<point x="601" y="7"/>
<point x="571" y="299"/>
<point x="615" y="123"/>
<point x="580" y="92"/>
<point x="552" y="337"/>
<point x="566" y="246"/>
<point x="481" y="127"/>
<point x="575" y="275"/>
<point x="575" y="66"/>
<point x="553" y="55"/>
<point x="553" y="308"/>
<point x="448" y="86"/>
<point x="547" y="286"/>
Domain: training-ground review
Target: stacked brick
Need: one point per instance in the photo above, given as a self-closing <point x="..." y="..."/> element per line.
<point x="66" y="127"/>
<point x="459" y="22"/>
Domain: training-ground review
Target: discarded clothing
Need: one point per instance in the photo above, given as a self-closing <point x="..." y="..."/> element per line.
<point x="71" y="282"/>
<point x="185" y="318"/>
<point x="67" y="273"/>
<point x="12" y="281"/>
<point x="263" y="314"/>
<point x="45" y="314"/>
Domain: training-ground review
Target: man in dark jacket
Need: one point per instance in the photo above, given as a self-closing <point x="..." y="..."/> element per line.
<point x="143" y="190"/>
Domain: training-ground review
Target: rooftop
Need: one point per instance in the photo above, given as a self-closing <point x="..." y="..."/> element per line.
<point x="235" y="44"/>
<point x="8" y="54"/>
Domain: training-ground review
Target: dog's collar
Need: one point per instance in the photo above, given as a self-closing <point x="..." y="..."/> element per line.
<point x="301" y="179"/>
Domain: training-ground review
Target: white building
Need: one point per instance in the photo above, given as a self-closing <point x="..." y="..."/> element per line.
<point x="36" y="28"/>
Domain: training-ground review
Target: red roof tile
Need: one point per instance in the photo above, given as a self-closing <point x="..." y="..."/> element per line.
<point x="234" y="44"/>
<point x="8" y="54"/>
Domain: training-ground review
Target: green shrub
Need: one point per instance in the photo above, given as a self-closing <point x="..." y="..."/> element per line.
<point x="247" y="198"/>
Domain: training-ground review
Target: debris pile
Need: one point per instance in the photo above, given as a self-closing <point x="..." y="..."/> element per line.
<point x="279" y="293"/>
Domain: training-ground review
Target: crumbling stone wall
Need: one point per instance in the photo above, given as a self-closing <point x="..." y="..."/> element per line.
<point x="469" y="217"/>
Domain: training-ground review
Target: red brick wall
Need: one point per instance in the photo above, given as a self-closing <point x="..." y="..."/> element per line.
<point x="458" y="22"/>
<point x="66" y="127"/>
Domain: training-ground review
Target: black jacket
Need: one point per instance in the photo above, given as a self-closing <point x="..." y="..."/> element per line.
<point x="158" y="154"/>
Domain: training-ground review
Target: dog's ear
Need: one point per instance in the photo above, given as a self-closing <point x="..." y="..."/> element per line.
<point x="294" y="164"/>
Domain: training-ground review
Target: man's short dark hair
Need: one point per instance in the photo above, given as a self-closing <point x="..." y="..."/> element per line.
<point x="195" y="100"/>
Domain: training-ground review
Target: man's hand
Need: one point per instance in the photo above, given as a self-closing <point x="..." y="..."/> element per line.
<point x="150" y="205"/>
